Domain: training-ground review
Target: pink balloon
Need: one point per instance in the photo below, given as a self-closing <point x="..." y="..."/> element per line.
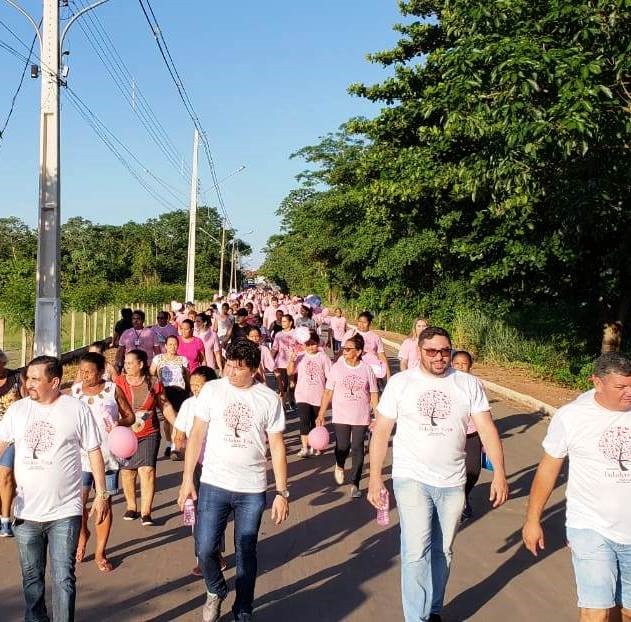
<point x="319" y="438"/>
<point x="122" y="442"/>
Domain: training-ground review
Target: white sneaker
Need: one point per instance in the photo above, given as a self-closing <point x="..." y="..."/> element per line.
<point x="338" y="474"/>
<point x="355" y="493"/>
<point x="303" y="453"/>
<point x="211" y="611"/>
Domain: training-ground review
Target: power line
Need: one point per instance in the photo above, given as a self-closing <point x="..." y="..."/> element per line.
<point x="19" y="88"/>
<point x="163" y="47"/>
<point x="109" y="139"/>
<point x="115" y="66"/>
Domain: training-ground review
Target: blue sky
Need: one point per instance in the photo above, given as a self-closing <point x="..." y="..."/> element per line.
<point x="266" y="78"/>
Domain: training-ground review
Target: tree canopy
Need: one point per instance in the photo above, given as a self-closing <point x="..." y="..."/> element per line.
<point x="498" y="169"/>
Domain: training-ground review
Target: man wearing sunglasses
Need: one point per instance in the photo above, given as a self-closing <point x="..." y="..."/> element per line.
<point x="431" y="405"/>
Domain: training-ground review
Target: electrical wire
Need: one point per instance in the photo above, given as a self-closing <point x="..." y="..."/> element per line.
<point x="115" y="66"/>
<point x="108" y="138"/>
<point x="165" y="53"/>
<point x="19" y="88"/>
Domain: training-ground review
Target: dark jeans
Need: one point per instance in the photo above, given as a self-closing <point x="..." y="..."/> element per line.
<point x="307" y="414"/>
<point x="347" y="436"/>
<point x="60" y="537"/>
<point x="214" y="506"/>
<point x="336" y="346"/>
<point x="473" y="461"/>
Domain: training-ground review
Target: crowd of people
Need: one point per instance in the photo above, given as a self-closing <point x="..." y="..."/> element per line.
<point x="214" y="387"/>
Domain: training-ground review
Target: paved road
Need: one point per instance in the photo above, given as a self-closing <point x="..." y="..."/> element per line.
<point x="331" y="561"/>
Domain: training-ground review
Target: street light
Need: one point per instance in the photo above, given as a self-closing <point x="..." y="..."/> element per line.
<point x="48" y="301"/>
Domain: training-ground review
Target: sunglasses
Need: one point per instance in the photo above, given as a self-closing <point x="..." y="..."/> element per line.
<point x="347" y="349"/>
<point x="432" y="352"/>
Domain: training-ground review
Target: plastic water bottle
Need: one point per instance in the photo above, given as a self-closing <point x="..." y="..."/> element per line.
<point x="383" y="515"/>
<point x="189" y="512"/>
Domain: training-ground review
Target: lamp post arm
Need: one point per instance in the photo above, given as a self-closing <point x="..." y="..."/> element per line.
<point x="26" y="14"/>
<point x="75" y="18"/>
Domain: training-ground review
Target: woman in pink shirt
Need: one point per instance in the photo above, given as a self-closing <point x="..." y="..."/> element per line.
<point x="408" y="351"/>
<point x="268" y="364"/>
<point x="212" y="349"/>
<point x="372" y="342"/>
<point x="191" y="347"/>
<point x="312" y="368"/>
<point x="338" y="326"/>
<point x="282" y="347"/>
<point x="352" y="386"/>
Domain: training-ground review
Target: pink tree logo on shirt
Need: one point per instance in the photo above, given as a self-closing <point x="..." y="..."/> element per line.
<point x="615" y="444"/>
<point x="312" y="370"/>
<point x="434" y="405"/>
<point x="354" y="386"/>
<point x="39" y="436"/>
<point x="238" y="417"/>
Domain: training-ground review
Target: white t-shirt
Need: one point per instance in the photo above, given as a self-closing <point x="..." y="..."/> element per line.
<point x="238" y="422"/>
<point x="598" y="443"/>
<point x="102" y="405"/>
<point x="432" y="414"/>
<point x="48" y="441"/>
<point x="186" y="416"/>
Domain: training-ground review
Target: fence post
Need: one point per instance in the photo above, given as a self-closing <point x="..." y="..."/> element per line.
<point x="73" y="328"/>
<point x="84" y="340"/>
<point x="104" y="323"/>
<point x="1" y="333"/>
<point x="23" y="352"/>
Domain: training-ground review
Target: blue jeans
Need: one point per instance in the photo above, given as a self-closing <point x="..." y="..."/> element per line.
<point x="60" y="537"/>
<point x="428" y="517"/>
<point x="214" y="506"/>
<point x="602" y="568"/>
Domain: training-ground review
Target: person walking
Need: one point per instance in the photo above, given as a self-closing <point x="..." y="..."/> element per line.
<point x="352" y="386"/>
<point x="9" y="393"/>
<point x="374" y="353"/>
<point x="408" y="351"/>
<point x="312" y="368"/>
<point x="431" y="405"/>
<point x="162" y="330"/>
<point x="109" y="408"/>
<point x="238" y="418"/>
<point x="171" y="370"/>
<point x="144" y="397"/>
<point x="594" y="433"/>
<point x="138" y="337"/>
<point x="190" y="346"/>
<point x="212" y="349"/>
<point x="338" y="325"/>
<point x="49" y="431"/>
<point x="282" y="346"/>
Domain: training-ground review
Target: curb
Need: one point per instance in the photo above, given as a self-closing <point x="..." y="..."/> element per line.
<point x="504" y="392"/>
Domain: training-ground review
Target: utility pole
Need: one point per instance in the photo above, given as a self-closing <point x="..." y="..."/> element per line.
<point x="223" y="251"/>
<point x="192" y="225"/>
<point x="48" y="303"/>
<point x="47" y="339"/>
<point x="232" y="257"/>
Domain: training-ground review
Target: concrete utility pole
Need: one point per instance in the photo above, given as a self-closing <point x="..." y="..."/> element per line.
<point x="192" y="225"/>
<point x="223" y="251"/>
<point x="48" y="303"/>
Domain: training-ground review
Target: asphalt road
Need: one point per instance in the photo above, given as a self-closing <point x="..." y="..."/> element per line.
<point x="331" y="561"/>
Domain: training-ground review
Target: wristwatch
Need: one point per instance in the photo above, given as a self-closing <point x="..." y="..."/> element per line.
<point x="283" y="493"/>
<point x="103" y="494"/>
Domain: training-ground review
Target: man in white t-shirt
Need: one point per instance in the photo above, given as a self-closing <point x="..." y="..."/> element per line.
<point x="49" y="430"/>
<point x="594" y="432"/>
<point x="431" y="405"/>
<point x="237" y="418"/>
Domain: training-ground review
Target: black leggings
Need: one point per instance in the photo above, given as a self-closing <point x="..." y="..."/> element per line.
<point x="307" y="414"/>
<point x="347" y="436"/>
<point x="473" y="461"/>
